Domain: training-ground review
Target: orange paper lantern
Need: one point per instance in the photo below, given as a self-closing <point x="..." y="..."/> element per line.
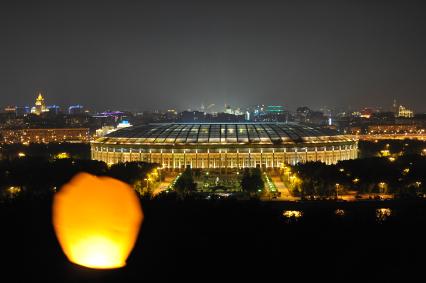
<point x="97" y="221"/>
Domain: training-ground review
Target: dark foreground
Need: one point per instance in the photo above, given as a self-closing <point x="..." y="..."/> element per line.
<point x="221" y="241"/>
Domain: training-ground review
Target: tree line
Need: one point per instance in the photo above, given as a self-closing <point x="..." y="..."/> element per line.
<point x="38" y="175"/>
<point x="403" y="176"/>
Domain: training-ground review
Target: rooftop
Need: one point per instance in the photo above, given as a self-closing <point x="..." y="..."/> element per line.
<point x="217" y="133"/>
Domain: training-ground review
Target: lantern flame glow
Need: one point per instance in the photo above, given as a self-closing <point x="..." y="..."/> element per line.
<point x="97" y="221"/>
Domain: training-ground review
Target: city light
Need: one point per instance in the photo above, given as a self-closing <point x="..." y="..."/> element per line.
<point x="292" y="213"/>
<point x="62" y="155"/>
<point x="21" y="154"/>
<point x="385" y="152"/>
<point x="97" y="220"/>
<point x="382" y="214"/>
<point x="13" y="191"/>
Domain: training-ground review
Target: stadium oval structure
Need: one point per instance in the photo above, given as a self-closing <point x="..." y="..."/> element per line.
<point x="224" y="145"/>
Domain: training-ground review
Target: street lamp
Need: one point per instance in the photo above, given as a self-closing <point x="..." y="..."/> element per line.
<point x="159" y="172"/>
<point x="337" y="190"/>
<point x="147" y="183"/>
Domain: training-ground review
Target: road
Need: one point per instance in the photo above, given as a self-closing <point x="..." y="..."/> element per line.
<point x="285" y="193"/>
<point x="163" y="185"/>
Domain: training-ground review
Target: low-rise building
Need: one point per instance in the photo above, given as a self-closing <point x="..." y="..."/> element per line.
<point x="45" y="135"/>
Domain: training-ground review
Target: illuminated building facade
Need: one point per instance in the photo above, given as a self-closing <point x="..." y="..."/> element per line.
<point x="405" y="112"/>
<point x="10" y="109"/>
<point x="40" y="106"/>
<point x="392" y="128"/>
<point x="46" y="135"/>
<point x="224" y="145"/>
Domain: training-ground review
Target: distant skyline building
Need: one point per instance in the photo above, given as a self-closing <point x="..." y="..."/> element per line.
<point x="232" y="111"/>
<point x="366" y="113"/>
<point x="275" y="109"/>
<point x="75" y="109"/>
<point x="123" y="124"/>
<point x="45" y="135"/>
<point x="40" y="106"/>
<point x="405" y="112"/>
<point x="54" y="109"/>
<point x="10" y="109"/>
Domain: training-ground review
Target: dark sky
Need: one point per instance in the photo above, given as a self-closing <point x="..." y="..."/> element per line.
<point x="160" y="54"/>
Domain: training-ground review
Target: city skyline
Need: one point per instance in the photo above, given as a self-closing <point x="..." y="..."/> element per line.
<point x="159" y="55"/>
<point x="213" y="108"/>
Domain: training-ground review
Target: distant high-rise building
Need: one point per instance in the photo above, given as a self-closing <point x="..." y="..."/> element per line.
<point x="405" y="112"/>
<point x="366" y="113"/>
<point x="40" y="106"/>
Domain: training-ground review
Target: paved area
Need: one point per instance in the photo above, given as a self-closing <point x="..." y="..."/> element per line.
<point x="285" y="194"/>
<point x="163" y="185"/>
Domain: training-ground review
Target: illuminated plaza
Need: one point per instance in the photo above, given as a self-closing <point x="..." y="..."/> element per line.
<point x="224" y="145"/>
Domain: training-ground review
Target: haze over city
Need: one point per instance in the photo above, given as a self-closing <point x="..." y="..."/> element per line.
<point x="139" y="55"/>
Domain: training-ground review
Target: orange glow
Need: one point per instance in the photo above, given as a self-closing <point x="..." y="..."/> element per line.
<point x="97" y="221"/>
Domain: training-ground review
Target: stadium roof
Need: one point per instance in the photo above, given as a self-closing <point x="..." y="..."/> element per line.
<point x="221" y="133"/>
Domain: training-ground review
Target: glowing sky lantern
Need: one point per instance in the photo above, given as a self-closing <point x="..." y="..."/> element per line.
<point x="97" y="221"/>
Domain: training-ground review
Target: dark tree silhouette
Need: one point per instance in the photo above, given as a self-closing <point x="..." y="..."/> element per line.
<point x="252" y="180"/>
<point x="185" y="183"/>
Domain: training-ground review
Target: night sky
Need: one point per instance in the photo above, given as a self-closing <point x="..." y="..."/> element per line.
<point x="137" y="55"/>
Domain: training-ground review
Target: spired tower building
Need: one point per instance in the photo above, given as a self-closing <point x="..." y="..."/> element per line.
<point x="40" y="106"/>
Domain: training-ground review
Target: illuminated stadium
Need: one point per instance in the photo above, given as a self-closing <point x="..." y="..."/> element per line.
<point x="224" y="145"/>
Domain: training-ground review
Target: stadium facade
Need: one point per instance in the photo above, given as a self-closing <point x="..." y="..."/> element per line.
<point x="224" y="145"/>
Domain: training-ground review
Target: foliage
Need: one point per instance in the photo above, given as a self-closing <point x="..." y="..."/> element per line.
<point x="398" y="147"/>
<point x="406" y="176"/>
<point x="46" y="151"/>
<point x="40" y="175"/>
<point x="185" y="183"/>
<point x="131" y="172"/>
<point x="251" y="180"/>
